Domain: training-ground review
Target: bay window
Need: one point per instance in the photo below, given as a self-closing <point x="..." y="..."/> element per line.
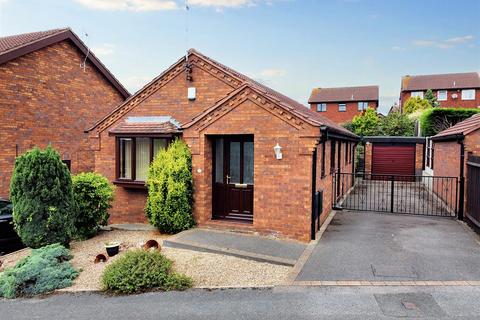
<point x="134" y="155"/>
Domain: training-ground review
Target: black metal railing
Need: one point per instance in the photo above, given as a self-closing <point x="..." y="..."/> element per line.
<point x="421" y="195"/>
<point x="473" y="189"/>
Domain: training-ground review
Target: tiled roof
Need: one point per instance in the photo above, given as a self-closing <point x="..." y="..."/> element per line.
<point x="344" y="94"/>
<point x="13" y="42"/>
<point x="154" y="125"/>
<point x="12" y="47"/>
<point x="293" y="106"/>
<point x="441" y="81"/>
<point x="462" y="128"/>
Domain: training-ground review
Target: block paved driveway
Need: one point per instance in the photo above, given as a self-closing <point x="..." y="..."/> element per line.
<point x="393" y="247"/>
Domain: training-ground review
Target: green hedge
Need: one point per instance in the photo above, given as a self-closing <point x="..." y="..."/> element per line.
<point x="93" y="195"/>
<point x="170" y="189"/>
<point x="139" y="271"/>
<point x="42" y="196"/>
<point x="435" y="120"/>
<point x="44" y="270"/>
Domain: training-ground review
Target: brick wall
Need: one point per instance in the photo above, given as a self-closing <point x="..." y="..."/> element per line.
<point x="45" y="97"/>
<point x="341" y="117"/>
<point x="450" y="102"/>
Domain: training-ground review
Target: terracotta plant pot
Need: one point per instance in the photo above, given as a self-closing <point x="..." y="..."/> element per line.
<point x="100" y="258"/>
<point x="112" y="248"/>
<point x="151" y="244"/>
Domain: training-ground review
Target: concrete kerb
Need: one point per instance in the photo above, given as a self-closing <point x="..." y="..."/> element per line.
<point x="292" y="275"/>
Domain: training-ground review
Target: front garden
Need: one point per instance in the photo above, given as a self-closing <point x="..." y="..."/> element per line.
<point x="61" y="217"/>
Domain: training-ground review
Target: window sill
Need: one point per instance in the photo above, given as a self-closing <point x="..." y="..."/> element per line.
<point x="130" y="184"/>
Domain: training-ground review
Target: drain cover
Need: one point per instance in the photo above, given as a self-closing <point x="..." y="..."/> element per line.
<point x="394" y="272"/>
<point x="414" y="305"/>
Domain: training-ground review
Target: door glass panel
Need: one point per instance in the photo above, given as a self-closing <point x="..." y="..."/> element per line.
<point x="234" y="162"/>
<point x="125" y="158"/>
<point x="142" y="160"/>
<point x="158" y="144"/>
<point x="219" y="160"/>
<point x="248" y="162"/>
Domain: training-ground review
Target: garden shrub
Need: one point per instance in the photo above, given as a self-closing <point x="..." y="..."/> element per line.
<point x="44" y="270"/>
<point x="435" y="120"/>
<point x="140" y="270"/>
<point x="42" y="197"/>
<point x="93" y="194"/>
<point x="170" y="189"/>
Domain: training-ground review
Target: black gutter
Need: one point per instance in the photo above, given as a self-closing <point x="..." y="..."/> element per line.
<point x="314" y="190"/>
<point x="452" y="137"/>
<point x="335" y="134"/>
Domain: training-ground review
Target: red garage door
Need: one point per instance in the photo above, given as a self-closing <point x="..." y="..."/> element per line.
<point x="393" y="160"/>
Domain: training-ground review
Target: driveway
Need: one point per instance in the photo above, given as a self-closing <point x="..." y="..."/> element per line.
<point x="373" y="246"/>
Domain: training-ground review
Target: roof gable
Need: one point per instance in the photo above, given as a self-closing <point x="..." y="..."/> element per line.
<point x="12" y="47"/>
<point x="344" y="94"/>
<point x="462" y="128"/>
<point x="236" y="79"/>
<point x="441" y="81"/>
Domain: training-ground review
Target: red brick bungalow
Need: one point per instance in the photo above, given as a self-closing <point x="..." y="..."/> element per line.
<point x="456" y="153"/>
<point x="342" y="104"/>
<point x="47" y="97"/>
<point x="232" y="125"/>
<point x="453" y="90"/>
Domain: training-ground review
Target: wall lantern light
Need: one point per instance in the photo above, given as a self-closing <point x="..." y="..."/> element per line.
<point x="278" y="151"/>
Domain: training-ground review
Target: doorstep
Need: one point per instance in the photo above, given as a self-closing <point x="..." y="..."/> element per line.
<point x="247" y="246"/>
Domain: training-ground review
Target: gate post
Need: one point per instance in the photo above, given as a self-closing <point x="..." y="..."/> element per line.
<point x="392" y="188"/>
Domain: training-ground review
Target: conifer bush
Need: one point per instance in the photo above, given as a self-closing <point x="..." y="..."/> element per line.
<point x="44" y="270"/>
<point x="42" y="198"/>
<point x="93" y="195"/>
<point x="170" y="189"/>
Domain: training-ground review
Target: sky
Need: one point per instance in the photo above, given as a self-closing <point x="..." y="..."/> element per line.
<point x="289" y="45"/>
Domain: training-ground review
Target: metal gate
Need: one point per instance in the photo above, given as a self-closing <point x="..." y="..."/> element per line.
<point x="473" y="189"/>
<point x="408" y="194"/>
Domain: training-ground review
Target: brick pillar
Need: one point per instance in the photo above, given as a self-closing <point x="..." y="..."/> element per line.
<point x="368" y="157"/>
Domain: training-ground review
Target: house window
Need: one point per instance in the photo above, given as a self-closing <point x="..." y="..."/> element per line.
<point x="417" y="94"/>
<point x="468" y="94"/>
<point x="442" y="95"/>
<point x="135" y="155"/>
<point x="362" y="106"/>
<point x="342" y="107"/>
<point x="322" y="107"/>
<point x="430" y="154"/>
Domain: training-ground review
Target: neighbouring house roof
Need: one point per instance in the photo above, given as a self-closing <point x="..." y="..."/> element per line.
<point x="344" y="94"/>
<point x="441" y="81"/>
<point x="12" y="47"/>
<point x="460" y="129"/>
<point x="147" y="125"/>
<point x="283" y="101"/>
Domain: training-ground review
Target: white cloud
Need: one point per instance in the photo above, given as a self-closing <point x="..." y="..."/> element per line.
<point x="105" y="49"/>
<point x="134" y="83"/>
<point x="444" y="44"/>
<point x="273" y="73"/>
<point x="398" y="48"/>
<point x="228" y="3"/>
<point x="129" y="5"/>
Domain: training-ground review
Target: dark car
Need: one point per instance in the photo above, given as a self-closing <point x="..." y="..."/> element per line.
<point x="9" y="240"/>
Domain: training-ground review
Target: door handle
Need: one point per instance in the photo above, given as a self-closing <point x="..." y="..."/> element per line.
<point x="228" y="179"/>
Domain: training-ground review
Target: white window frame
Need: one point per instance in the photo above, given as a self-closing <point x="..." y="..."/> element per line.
<point x="321" y="107"/>
<point x="362" y="106"/>
<point x="442" y="97"/>
<point x="468" y="94"/>
<point x="417" y="94"/>
<point x="340" y="109"/>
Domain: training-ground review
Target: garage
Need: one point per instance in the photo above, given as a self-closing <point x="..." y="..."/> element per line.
<point x="393" y="159"/>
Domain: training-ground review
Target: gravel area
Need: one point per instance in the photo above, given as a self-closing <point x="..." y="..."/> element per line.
<point x="206" y="269"/>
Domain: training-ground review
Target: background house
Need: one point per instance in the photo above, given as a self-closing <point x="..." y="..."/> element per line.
<point x="234" y="127"/>
<point x="342" y="104"/>
<point x="51" y="89"/>
<point x="453" y="90"/>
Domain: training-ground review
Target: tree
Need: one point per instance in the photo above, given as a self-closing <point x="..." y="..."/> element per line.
<point x="432" y="100"/>
<point x="397" y="124"/>
<point x="414" y="104"/>
<point x="42" y="198"/>
<point x="170" y="189"/>
<point x="366" y="124"/>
